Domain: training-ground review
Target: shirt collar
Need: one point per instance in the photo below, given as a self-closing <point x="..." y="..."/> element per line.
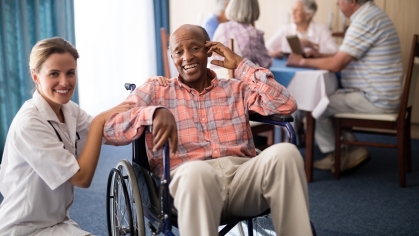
<point x="43" y="107"/>
<point x="46" y="111"/>
<point x="360" y="9"/>
<point x="210" y="73"/>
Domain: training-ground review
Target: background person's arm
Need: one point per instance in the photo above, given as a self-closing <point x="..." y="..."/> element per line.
<point x="334" y="63"/>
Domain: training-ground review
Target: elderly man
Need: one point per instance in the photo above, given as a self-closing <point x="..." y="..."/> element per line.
<point x="370" y="61"/>
<point x="215" y="171"/>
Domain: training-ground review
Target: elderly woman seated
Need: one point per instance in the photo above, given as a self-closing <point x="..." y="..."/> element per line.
<point x="248" y="41"/>
<point x="315" y="38"/>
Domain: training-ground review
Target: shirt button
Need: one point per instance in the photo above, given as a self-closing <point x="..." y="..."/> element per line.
<point x="215" y="152"/>
<point x="203" y="118"/>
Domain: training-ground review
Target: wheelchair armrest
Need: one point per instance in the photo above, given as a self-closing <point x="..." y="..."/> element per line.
<point x="279" y="120"/>
<point x="271" y="119"/>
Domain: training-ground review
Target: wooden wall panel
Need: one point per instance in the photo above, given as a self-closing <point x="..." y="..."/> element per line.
<point x="405" y="17"/>
<point x="189" y="12"/>
<point x="273" y="14"/>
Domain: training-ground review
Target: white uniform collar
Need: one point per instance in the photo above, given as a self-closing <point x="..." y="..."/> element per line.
<point x="43" y="107"/>
<point x="47" y="113"/>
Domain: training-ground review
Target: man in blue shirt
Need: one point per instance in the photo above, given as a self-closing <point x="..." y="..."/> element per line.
<point x="211" y="24"/>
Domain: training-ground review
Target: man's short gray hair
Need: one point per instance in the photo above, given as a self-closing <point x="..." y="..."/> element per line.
<point x="221" y="6"/>
<point x="243" y="11"/>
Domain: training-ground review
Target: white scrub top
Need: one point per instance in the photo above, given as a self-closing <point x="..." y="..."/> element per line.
<point x="36" y="167"/>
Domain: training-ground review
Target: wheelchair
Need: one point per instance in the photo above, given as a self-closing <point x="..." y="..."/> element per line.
<point x="139" y="202"/>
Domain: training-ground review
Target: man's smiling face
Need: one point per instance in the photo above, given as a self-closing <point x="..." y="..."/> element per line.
<point x="189" y="54"/>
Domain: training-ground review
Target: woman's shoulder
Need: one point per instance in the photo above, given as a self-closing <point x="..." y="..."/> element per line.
<point x="27" y="116"/>
<point x="319" y="26"/>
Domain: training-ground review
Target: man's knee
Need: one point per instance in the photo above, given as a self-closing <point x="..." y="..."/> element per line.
<point x="284" y="154"/>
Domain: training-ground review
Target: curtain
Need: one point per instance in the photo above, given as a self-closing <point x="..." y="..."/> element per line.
<point x="22" y="24"/>
<point x="161" y="19"/>
<point x="117" y="45"/>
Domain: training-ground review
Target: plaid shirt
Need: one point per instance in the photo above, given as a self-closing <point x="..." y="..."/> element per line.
<point x="211" y="124"/>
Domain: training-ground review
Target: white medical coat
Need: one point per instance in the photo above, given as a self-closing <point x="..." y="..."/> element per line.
<point x="36" y="167"/>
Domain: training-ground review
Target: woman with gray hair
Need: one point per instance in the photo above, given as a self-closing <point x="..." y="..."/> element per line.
<point x="315" y="38"/>
<point x="248" y="41"/>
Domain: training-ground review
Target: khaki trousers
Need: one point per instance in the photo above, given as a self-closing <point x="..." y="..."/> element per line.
<point x="205" y="192"/>
<point x="341" y="101"/>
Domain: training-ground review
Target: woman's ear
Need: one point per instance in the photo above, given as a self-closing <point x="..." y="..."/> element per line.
<point x="34" y="76"/>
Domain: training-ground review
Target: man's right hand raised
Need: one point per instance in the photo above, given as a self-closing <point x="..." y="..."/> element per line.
<point x="164" y="129"/>
<point x="231" y="59"/>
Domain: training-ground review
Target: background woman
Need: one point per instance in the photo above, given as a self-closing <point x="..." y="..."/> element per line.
<point x="52" y="145"/>
<point x="248" y="41"/>
<point x="315" y="38"/>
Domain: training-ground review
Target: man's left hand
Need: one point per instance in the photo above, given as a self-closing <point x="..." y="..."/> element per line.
<point x="231" y="59"/>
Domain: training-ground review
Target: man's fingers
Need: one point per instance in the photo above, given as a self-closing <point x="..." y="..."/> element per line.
<point x="157" y="133"/>
<point x="217" y="63"/>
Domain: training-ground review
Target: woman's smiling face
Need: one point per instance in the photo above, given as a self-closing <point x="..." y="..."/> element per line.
<point x="56" y="79"/>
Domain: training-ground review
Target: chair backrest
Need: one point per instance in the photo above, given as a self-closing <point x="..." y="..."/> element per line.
<point x="164" y="46"/>
<point x="415" y="77"/>
<point x="231" y="46"/>
<point x="409" y="83"/>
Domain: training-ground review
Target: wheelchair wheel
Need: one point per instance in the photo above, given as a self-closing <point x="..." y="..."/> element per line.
<point x="262" y="226"/>
<point x="124" y="208"/>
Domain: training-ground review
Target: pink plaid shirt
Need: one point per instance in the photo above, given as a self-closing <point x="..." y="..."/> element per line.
<point x="211" y="124"/>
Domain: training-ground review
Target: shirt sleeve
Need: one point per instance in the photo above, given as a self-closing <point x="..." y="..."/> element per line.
<point x="359" y="38"/>
<point x="327" y="43"/>
<point x="210" y="25"/>
<point x="38" y="144"/>
<point x="262" y="93"/>
<point x="83" y="125"/>
<point x="122" y="128"/>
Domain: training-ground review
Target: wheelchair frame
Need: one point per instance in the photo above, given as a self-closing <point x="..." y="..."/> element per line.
<point x="126" y="180"/>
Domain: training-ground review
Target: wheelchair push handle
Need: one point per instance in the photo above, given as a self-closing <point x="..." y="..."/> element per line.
<point x="131" y="87"/>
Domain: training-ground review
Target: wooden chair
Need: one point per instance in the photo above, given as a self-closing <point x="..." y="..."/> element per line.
<point x="258" y="129"/>
<point x="398" y="123"/>
<point x="164" y="46"/>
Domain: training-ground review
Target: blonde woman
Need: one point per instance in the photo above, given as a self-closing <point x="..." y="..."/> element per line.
<point x="52" y="145"/>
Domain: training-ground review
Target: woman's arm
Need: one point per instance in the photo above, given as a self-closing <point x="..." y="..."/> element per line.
<point x="89" y="157"/>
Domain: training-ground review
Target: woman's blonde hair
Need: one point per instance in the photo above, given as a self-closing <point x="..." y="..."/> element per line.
<point x="44" y="48"/>
<point x="243" y="11"/>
